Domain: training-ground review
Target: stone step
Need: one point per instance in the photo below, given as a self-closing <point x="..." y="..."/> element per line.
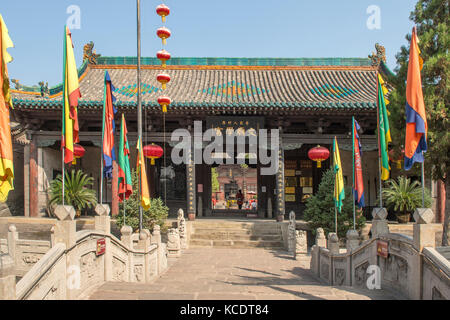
<point x="247" y="226"/>
<point x="233" y="236"/>
<point x="237" y="232"/>
<point x="235" y="243"/>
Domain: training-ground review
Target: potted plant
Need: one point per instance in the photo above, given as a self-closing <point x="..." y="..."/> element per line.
<point x="76" y="191"/>
<point x="404" y="196"/>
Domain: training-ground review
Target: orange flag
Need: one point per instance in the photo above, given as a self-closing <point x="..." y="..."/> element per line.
<point x="145" y="195"/>
<point x="6" y="153"/>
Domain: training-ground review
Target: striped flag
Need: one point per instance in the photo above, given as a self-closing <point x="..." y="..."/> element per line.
<point x="145" y="195"/>
<point x="384" y="130"/>
<point x="125" y="183"/>
<point x="6" y="152"/>
<point x="339" y="192"/>
<point x="71" y="94"/>
<point x="416" y="120"/>
<point x="109" y="127"/>
<point x="358" y="183"/>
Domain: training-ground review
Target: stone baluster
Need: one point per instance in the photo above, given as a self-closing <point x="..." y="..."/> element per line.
<point x="7" y="278"/>
<point x="352" y="240"/>
<point x="379" y="222"/>
<point x="301" y="244"/>
<point x="291" y="232"/>
<point x="321" y="240"/>
<point x="127" y="240"/>
<point x="156" y="239"/>
<point x="102" y="222"/>
<point x="13" y="236"/>
<point x="424" y="234"/>
<point x="333" y="243"/>
<point x="144" y="245"/>
<point x="182" y="229"/>
<point x="173" y="243"/>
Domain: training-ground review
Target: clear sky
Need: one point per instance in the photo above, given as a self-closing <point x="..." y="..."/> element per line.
<point x="201" y="28"/>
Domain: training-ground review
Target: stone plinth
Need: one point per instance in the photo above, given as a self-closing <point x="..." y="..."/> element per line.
<point x="352" y="240"/>
<point x="126" y="232"/>
<point x="379" y="222"/>
<point x="424" y="234"/>
<point x="333" y="243"/>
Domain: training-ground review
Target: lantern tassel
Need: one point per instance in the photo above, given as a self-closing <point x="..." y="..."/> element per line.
<point x="164" y="86"/>
<point x="152" y="162"/>
<point x="319" y="164"/>
<point x="164" y="41"/>
<point x="163" y="18"/>
<point x="164" y="108"/>
<point x="164" y="65"/>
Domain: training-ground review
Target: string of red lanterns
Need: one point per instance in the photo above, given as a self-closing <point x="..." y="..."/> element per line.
<point x="163" y="78"/>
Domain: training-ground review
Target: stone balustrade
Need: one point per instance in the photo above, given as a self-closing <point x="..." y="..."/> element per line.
<point x="411" y="267"/>
<point x="78" y="262"/>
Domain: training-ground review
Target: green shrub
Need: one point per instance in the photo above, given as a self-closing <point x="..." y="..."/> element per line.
<point x="156" y="215"/>
<point x="320" y="212"/>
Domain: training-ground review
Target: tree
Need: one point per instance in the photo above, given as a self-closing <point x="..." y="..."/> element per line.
<point x="320" y="212"/>
<point x="432" y="21"/>
<point x="215" y="180"/>
<point x="156" y="215"/>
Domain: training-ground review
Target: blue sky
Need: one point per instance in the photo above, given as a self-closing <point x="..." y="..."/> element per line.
<point x="201" y="28"/>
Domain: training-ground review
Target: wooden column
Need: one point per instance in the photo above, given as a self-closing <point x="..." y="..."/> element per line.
<point x="280" y="183"/>
<point x="33" y="180"/>
<point x="191" y="187"/>
<point x="115" y="190"/>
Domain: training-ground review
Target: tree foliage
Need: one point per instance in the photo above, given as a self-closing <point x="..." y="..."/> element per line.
<point x="320" y="212"/>
<point x="156" y="215"/>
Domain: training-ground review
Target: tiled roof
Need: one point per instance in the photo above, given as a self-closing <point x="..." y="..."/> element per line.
<point x="228" y="82"/>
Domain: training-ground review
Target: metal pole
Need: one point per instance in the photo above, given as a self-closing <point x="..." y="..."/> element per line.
<point x="139" y="104"/>
<point x="423" y="182"/>
<point x="353" y="172"/>
<point x="63" y="172"/>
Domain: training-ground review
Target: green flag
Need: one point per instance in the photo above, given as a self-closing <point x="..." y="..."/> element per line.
<point x="384" y="131"/>
<point x="339" y="192"/>
<point x="125" y="183"/>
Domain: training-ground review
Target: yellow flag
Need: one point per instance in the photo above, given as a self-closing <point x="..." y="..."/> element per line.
<point x="6" y="153"/>
<point x="145" y="195"/>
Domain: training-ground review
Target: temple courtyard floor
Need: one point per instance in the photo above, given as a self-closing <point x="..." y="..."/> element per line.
<point x="236" y="274"/>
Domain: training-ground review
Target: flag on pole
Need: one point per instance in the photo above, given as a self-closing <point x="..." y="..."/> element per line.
<point x="384" y="130"/>
<point x="144" y="193"/>
<point x="125" y="183"/>
<point x="416" y="120"/>
<point x="6" y="153"/>
<point x="339" y="192"/>
<point x="71" y="94"/>
<point x="109" y="127"/>
<point x="358" y="183"/>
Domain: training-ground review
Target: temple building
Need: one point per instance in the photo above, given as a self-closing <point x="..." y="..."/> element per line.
<point x="310" y="100"/>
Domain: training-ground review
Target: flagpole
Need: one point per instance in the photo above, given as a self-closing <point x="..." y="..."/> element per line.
<point x="423" y="181"/>
<point x="334" y="169"/>
<point x="353" y="172"/>
<point x="101" y="148"/>
<point x="63" y="113"/>
<point x="379" y="143"/>
<point x="139" y="104"/>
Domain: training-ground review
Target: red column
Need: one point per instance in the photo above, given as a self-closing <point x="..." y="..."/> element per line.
<point x="115" y="190"/>
<point x="441" y="196"/>
<point x="33" y="180"/>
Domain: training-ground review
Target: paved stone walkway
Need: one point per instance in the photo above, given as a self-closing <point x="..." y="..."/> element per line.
<point x="236" y="274"/>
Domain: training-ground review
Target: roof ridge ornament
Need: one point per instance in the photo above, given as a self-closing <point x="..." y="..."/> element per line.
<point x="379" y="56"/>
<point x="90" y="54"/>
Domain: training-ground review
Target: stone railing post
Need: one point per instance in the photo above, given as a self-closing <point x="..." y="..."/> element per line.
<point x="13" y="236"/>
<point x="126" y="232"/>
<point x="144" y="245"/>
<point x="352" y="240"/>
<point x="156" y="239"/>
<point x="379" y="222"/>
<point x="423" y="236"/>
<point x="102" y="222"/>
<point x="301" y="244"/>
<point x="173" y="243"/>
<point x="333" y="243"/>
<point x="7" y="278"/>
<point x="321" y="240"/>
<point x="182" y="229"/>
<point x="291" y="232"/>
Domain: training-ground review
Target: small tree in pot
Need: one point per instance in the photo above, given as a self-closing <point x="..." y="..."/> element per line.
<point x="404" y="197"/>
<point x="76" y="191"/>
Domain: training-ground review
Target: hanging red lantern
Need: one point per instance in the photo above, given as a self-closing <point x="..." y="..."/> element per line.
<point x="164" y="34"/>
<point x="319" y="154"/>
<point x="153" y="151"/>
<point x="164" y="102"/>
<point x="163" y="11"/>
<point x="163" y="55"/>
<point x="78" y="152"/>
<point x="163" y="78"/>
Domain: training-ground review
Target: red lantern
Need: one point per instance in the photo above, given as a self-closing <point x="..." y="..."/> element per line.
<point x="163" y="78"/>
<point x="164" y="102"/>
<point x="153" y="151"/>
<point x="164" y="34"/>
<point x="319" y="154"/>
<point x="78" y="152"/>
<point x="163" y="55"/>
<point x="163" y="11"/>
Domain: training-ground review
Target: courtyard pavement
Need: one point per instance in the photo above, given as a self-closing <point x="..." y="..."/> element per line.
<point x="236" y="274"/>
